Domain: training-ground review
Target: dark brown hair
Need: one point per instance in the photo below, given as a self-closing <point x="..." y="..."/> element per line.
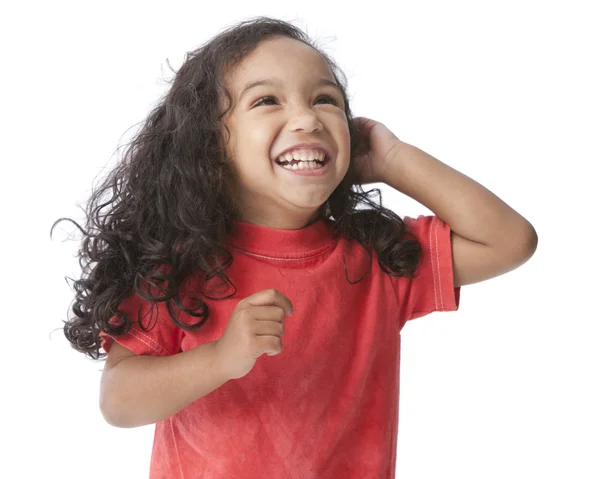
<point x="170" y="207"/>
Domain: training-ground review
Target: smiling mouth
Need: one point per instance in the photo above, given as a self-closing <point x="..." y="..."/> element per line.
<point x="296" y="162"/>
<point x="314" y="163"/>
<point x="299" y="165"/>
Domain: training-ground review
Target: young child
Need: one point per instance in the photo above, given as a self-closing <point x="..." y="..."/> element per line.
<point x="249" y="303"/>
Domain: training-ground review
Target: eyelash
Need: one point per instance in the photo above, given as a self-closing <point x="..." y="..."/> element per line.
<point x="328" y="97"/>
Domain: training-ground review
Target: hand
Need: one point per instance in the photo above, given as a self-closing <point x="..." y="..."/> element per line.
<point x="255" y="327"/>
<point x="377" y="142"/>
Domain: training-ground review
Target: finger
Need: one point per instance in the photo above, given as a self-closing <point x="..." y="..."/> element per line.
<point x="268" y="313"/>
<point x="271" y="297"/>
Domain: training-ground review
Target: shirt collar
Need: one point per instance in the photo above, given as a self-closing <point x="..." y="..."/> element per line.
<point x="274" y="242"/>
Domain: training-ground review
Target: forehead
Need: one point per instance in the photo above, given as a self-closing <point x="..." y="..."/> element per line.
<point x="280" y="57"/>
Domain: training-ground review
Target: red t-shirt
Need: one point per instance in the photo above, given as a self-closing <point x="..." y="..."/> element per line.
<point x="326" y="407"/>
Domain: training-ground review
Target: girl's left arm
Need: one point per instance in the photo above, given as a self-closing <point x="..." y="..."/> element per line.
<point x="488" y="237"/>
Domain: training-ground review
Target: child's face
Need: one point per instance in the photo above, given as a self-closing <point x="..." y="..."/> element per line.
<point x="299" y="112"/>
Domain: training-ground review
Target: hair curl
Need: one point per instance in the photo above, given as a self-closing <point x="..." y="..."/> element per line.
<point x="171" y="207"/>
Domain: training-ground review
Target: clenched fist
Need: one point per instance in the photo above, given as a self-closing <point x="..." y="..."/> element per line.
<point x="255" y="327"/>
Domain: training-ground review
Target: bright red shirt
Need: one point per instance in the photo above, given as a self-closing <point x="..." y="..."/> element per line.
<point x="326" y="407"/>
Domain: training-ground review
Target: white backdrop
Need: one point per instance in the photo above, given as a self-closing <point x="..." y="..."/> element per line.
<point x="505" y="92"/>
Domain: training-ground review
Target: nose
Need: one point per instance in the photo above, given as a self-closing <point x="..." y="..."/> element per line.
<point x="305" y="120"/>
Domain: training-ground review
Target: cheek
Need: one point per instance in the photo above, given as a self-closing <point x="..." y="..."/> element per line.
<point x="255" y="136"/>
<point x="343" y="139"/>
<point x="341" y="125"/>
<point x="251" y="157"/>
<point x="259" y="139"/>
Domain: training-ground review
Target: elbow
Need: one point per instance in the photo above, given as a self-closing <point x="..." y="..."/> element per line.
<point x="521" y="249"/>
<point x="110" y="412"/>
<point x="530" y="242"/>
<point x="112" y="409"/>
<point x="523" y="244"/>
<point x="115" y="417"/>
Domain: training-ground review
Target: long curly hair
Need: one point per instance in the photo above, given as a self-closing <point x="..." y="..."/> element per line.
<point x="169" y="207"/>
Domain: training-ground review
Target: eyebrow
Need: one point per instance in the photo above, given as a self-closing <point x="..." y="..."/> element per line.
<point x="276" y="82"/>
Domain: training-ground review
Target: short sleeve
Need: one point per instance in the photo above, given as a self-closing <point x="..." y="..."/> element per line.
<point x="433" y="289"/>
<point x="163" y="337"/>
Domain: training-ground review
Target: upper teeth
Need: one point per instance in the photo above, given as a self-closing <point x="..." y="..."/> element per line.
<point x="304" y="154"/>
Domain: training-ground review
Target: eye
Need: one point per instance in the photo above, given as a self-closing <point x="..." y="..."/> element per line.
<point x="329" y="98"/>
<point x="265" y="99"/>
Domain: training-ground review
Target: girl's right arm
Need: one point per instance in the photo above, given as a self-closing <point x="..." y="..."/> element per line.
<point x="140" y="390"/>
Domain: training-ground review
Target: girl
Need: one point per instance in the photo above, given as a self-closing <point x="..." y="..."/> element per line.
<point x="239" y="205"/>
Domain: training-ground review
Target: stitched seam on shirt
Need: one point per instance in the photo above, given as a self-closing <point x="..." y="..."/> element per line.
<point x="437" y="255"/>
<point x="136" y="336"/>
<point x="435" y="300"/>
<point x="285" y="259"/>
<point x="175" y="444"/>
<point x="165" y="352"/>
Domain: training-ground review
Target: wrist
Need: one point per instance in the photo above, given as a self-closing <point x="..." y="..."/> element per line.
<point x="390" y="162"/>
<point x="216" y="363"/>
